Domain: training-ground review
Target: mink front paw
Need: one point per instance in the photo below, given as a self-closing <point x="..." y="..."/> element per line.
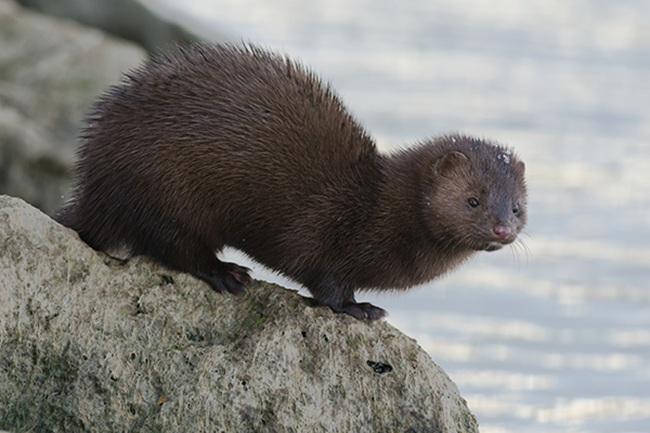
<point x="363" y="310"/>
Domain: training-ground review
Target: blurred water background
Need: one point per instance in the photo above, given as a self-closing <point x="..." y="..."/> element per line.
<point x="556" y="337"/>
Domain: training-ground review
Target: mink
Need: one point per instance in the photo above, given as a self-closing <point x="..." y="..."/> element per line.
<point x="214" y="145"/>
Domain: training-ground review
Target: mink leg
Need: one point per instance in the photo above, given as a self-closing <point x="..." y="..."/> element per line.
<point x="202" y="262"/>
<point x="340" y="298"/>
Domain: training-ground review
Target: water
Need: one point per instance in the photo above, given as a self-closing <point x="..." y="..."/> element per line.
<point x="556" y="337"/>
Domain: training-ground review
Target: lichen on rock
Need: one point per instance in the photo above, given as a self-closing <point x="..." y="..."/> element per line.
<point x="90" y="343"/>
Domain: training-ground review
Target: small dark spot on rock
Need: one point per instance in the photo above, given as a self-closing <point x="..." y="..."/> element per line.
<point x="304" y="334"/>
<point x="166" y="279"/>
<point x="380" y="367"/>
<point x="195" y="336"/>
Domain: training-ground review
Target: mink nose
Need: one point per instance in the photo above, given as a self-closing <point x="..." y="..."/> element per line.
<point x="501" y="232"/>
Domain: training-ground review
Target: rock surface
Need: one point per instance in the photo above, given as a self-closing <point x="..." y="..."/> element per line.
<point x="128" y="19"/>
<point x="51" y="71"/>
<point x="88" y="343"/>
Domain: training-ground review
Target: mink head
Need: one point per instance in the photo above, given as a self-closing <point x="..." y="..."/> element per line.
<point x="476" y="194"/>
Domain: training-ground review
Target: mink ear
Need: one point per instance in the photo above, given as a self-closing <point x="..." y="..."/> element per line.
<point x="449" y="163"/>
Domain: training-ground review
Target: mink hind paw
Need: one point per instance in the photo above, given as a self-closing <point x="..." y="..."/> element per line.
<point x="230" y="278"/>
<point x="363" y="310"/>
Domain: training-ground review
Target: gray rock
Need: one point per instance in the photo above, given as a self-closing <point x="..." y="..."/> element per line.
<point x="128" y="19"/>
<point x="89" y="343"/>
<point x="51" y="71"/>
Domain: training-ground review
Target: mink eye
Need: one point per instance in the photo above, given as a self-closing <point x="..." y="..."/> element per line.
<point x="472" y="202"/>
<point x="515" y="209"/>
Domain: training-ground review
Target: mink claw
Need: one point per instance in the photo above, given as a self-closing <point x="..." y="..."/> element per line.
<point x="234" y="281"/>
<point x="241" y="274"/>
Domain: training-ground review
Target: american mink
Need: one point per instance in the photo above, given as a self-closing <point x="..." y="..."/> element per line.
<point x="215" y="145"/>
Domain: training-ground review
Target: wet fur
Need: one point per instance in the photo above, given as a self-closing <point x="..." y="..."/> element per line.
<point x="232" y="145"/>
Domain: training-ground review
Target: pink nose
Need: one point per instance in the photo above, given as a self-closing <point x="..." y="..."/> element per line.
<point x="501" y="233"/>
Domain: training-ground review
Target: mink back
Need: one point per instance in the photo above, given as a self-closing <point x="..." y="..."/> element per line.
<point x="231" y="144"/>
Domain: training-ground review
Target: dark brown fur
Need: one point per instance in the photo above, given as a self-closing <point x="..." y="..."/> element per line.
<point x="222" y="145"/>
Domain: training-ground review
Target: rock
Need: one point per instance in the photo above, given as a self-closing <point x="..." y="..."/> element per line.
<point x="89" y="343"/>
<point x="128" y="19"/>
<point x="51" y="71"/>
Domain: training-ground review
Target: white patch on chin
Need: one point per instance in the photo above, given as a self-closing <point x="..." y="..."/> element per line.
<point x="493" y="246"/>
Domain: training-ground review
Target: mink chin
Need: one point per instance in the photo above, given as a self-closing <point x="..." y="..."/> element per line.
<point x="215" y="145"/>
